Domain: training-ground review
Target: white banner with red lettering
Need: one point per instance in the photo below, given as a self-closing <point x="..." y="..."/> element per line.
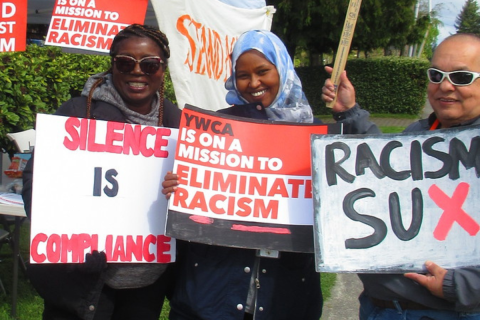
<point x="13" y="25"/>
<point x="92" y="24"/>
<point x="202" y="35"/>
<point x="97" y="186"/>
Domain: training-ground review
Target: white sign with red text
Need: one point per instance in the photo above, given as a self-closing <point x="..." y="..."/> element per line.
<point x="92" y="24"/>
<point x="13" y="25"/>
<point x="202" y="35"/>
<point x="97" y="186"/>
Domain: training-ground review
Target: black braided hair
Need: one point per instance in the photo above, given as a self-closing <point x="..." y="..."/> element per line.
<point x="138" y="30"/>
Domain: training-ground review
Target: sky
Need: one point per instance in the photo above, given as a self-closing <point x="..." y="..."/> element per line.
<point x="448" y="14"/>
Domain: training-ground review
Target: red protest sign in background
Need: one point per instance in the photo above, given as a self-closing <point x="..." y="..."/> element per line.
<point x="92" y="24"/>
<point x="13" y="25"/>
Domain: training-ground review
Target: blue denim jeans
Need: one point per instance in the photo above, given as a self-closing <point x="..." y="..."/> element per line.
<point x="368" y="311"/>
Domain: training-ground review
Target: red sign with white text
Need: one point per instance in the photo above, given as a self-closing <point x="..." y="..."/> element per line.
<point x="92" y="24"/>
<point x="243" y="182"/>
<point x="13" y="25"/>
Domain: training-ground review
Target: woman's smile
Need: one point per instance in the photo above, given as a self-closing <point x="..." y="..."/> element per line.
<point x="257" y="79"/>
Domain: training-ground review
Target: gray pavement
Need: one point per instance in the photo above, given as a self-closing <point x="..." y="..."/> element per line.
<point x="343" y="303"/>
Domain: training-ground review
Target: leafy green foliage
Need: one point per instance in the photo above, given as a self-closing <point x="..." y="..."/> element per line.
<point x="388" y="85"/>
<point x="39" y="80"/>
<point x="316" y="25"/>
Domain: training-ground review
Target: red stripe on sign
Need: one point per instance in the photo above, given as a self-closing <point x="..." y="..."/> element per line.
<point x="239" y="227"/>
<point x="201" y="219"/>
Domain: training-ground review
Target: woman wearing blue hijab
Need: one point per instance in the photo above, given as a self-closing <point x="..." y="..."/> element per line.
<point x="227" y="283"/>
<point x="290" y="103"/>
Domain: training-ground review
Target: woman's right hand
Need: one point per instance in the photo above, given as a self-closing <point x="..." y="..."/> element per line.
<point x="169" y="184"/>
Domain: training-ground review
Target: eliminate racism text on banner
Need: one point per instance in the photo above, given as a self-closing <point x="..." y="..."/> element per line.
<point x="92" y="24"/>
<point x="201" y="35"/>
<point x="13" y="25"/>
<point x="388" y="203"/>
<point x="243" y="183"/>
<point x="97" y="186"/>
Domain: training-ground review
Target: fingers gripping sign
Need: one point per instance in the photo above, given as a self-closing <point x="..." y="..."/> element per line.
<point x="433" y="280"/>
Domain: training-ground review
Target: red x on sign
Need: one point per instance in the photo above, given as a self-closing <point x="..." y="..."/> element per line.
<point x="452" y="211"/>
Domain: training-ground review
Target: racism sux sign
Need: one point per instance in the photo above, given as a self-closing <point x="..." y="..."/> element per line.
<point x="243" y="183"/>
<point x="388" y="203"/>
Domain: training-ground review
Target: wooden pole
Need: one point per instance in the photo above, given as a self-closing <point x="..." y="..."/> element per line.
<point x="344" y="45"/>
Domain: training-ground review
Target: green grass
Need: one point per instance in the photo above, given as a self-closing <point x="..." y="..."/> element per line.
<point x="328" y="281"/>
<point x="391" y="129"/>
<point x="393" y="116"/>
<point x="29" y="304"/>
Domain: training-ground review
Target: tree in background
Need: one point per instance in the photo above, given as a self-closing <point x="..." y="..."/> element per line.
<point x="468" y="20"/>
<point x="315" y="26"/>
<point x="432" y="30"/>
<point x="385" y="24"/>
<point x="291" y="19"/>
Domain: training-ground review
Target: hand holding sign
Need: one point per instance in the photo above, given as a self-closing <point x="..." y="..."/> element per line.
<point x="342" y="96"/>
<point x="433" y="281"/>
<point x="169" y="184"/>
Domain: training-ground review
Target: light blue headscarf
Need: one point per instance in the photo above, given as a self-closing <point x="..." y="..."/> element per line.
<point x="290" y="104"/>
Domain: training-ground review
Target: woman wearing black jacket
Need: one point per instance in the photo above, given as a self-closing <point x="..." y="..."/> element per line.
<point x="131" y="91"/>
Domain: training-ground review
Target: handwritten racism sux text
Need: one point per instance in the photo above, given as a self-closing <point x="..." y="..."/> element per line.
<point x="447" y="165"/>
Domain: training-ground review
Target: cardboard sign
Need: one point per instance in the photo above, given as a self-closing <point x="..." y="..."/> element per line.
<point x="13" y="25"/>
<point x="202" y="35"/>
<point x="92" y="24"/>
<point x="97" y="186"/>
<point x="388" y="203"/>
<point x="243" y="183"/>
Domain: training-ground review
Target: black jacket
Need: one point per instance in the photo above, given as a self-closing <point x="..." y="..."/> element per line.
<point x="215" y="280"/>
<point x="69" y="287"/>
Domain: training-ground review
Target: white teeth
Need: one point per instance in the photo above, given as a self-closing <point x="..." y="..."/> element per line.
<point x="257" y="94"/>
<point x="137" y="84"/>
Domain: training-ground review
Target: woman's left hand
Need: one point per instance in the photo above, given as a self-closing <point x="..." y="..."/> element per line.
<point x="169" y="184"/>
